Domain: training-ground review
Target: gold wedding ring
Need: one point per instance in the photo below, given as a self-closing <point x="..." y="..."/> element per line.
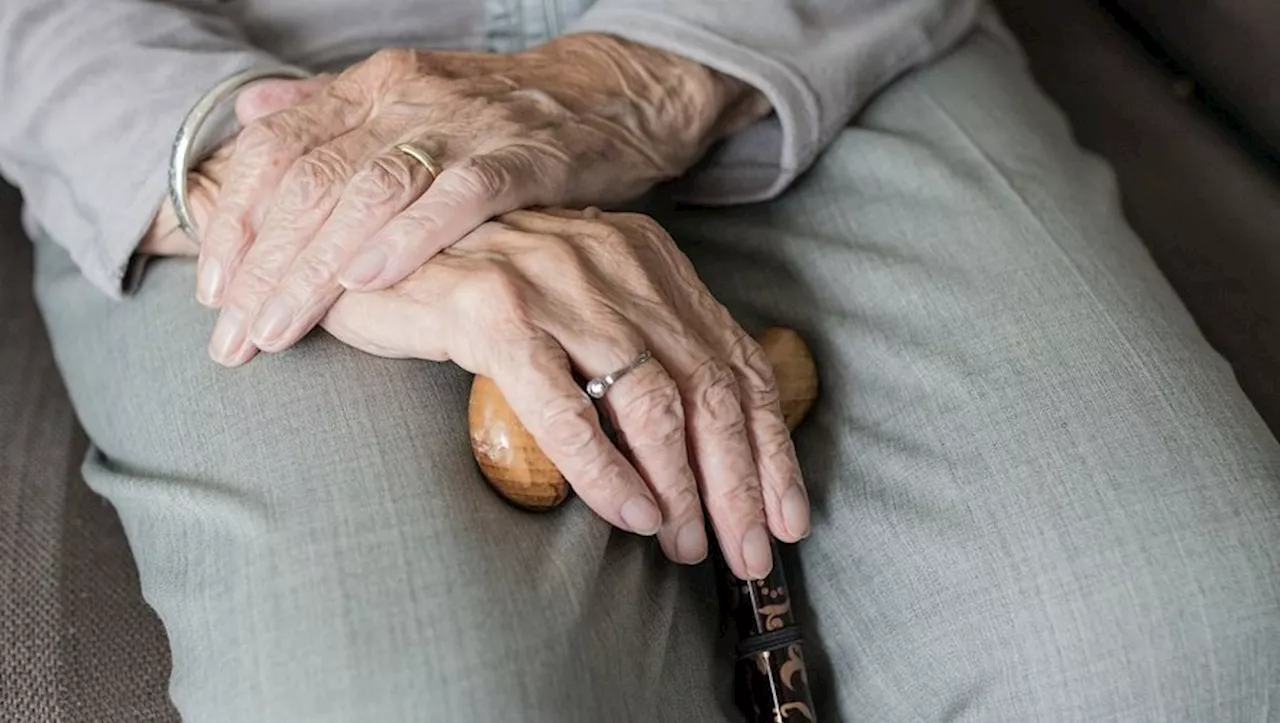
<point x="422" y="157"/>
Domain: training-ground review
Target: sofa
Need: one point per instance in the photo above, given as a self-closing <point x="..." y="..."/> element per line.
<point x="1176" y="94"/>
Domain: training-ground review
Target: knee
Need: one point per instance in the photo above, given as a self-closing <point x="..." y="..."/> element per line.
<point x="1184" y="628"/>
<point x="1165" y="610"/>
<point x="1174" y="654"/>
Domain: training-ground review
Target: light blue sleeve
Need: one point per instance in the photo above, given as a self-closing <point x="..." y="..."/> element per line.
<point x="91" y="93"/>
<point x="817" y="61"/>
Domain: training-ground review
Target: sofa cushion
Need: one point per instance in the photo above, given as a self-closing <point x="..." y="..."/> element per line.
<point x="1231" y="48"/>
<point x="1207" y="209"/>
<point x="77" y="642"/>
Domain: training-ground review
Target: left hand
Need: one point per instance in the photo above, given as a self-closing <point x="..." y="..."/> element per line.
<point x="165" y="237"/>
<point x="534" y="296"/>
<point x="316" y="197"/>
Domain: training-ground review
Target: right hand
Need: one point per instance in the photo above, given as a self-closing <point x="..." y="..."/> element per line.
<point x="535" y="296"/>
<point x="318" y="200"/>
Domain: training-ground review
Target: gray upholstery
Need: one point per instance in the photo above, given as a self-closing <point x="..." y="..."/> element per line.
<point x="1229" y="46"/>
<point x="76" y="641"/>
<point x="78" y="644"/>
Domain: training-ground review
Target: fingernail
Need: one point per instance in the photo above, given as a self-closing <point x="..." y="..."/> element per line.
<point x="691" y="543"/>
<point x="364" y="268"/>
<point x="227" y="344"/>
<point x="756" y="553"/>
<point x="795" y="512"/>
<point x="272" y="322"/>
<point x="641" y="516"/>
<point x="209" y="285"/>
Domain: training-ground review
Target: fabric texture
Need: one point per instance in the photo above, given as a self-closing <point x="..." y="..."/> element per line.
<point x="95" y="92"/>
<point x="1206" y="206"/>
<point x="1039" y="493"/>
<point x="76" y="643"/>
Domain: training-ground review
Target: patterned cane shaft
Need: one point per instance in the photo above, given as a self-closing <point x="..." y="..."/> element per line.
<point x="772" y="682"/>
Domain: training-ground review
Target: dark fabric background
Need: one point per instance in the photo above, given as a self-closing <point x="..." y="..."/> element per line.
<point x="1231" y="47"/>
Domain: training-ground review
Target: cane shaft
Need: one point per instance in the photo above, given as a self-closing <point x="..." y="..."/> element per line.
<point x="772" y="681"/>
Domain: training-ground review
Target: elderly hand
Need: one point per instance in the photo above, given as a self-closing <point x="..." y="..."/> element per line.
<point x="531" y="298"/>
<point x="317" y="197"/>
<point x="165" y="237"/>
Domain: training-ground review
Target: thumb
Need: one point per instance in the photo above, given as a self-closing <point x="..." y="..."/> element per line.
<point x="275" y="94"/>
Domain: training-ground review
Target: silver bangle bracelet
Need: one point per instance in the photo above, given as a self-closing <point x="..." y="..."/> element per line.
<point x="180" y="161"/>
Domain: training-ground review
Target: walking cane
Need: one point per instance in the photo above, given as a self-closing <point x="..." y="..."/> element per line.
<point x="771" y="682"/>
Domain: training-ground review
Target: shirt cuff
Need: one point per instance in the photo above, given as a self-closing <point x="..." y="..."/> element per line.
<point x="758" y="162"/>
<point x="120" y="205"/>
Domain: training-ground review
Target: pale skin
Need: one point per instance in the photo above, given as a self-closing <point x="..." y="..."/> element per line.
<point x="528" y="298"/>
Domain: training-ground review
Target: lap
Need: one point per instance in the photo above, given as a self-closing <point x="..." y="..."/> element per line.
<point x="1035" y="485"/>
<point x="1037" y="489"/>
<point x="315" y="536"/>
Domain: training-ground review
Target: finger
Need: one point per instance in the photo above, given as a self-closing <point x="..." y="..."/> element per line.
<point x="275" y="94"/>
<point x="264" y="152"/>
<point x="303" y="201"/>
<point x="463" y="197"/>
<point x="648" y="414"/>
<point x="538" y="383"/>
<point x="782" y="485"/>
<point x="722" y="454"/>
<point x="385" y="185"/>
<point x="396" y="325"/>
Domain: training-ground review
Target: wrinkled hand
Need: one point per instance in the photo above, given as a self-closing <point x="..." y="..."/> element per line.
<point x="316" y="197"/>
<point x="165" y="237"/>
<point x="531" y="298"/>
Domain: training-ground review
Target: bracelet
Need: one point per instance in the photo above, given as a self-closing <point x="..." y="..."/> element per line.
<point x="180" y="161"/>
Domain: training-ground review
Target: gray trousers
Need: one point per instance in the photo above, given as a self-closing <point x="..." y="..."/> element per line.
<point x="1039" y="494"/>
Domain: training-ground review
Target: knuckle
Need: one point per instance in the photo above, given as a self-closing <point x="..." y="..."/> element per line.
<point x="231" y="229"/>
<point x="716" y="394"/>
<point x="252" y="283"/>
<point x="484" y="178"/>
<point x="778" y="454"/>
<point x="392" y="61"/>
<point x="315" y="271"/>
<point x="311" y="178"/>
<point x="743" y="497"/>
<point x="605" y="233"/>
<point x="385" y="181"/>
<point x="559" y="258"/>
<point x="558" y="250"/>
<point x="684" y="497"/>
<point x="261" y="276"/>
<point x="657" y="417"/>
<point x="637" y="222"/>
<point x="269" y="139"/>
<point x="496" y="292"/>
<point x="636" y="228"/>
<point x="568" y="425"/>
<point x="757" y="373"/>
<point x="259" y="137"/>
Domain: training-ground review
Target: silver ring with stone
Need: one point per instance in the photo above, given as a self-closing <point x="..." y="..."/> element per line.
<point x="597" y="387"/>
<point x="180" y="160"/>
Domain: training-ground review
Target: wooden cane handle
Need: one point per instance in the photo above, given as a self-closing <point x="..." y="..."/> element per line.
<point x="513" y="464"/>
